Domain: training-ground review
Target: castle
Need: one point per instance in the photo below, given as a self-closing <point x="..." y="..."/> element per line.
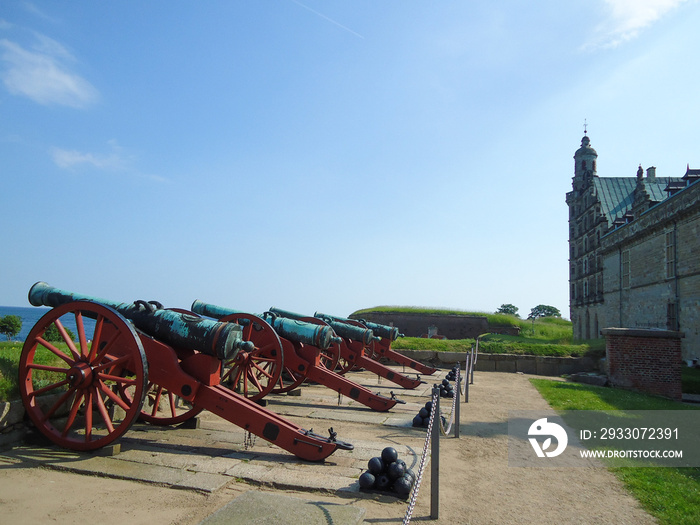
<point x="634" y="251"/>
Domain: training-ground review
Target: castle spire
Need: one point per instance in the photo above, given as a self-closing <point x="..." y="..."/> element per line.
<point x="585" y="159"/>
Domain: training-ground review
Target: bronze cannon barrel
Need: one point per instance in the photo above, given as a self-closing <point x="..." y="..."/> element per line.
<point x="356" y="333"/>
<point x="319" y="336"/>
<point x="382" y="330"/>
<point x="177" y="329"/>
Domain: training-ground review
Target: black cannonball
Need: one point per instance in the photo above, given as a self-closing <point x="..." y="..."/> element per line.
<point x="382" y="482"/>
<point x="396" y="470"/>
<point x="389" y="455"/>
<point x="429" y="406"/>
<point x="375" y="466"/>
<point x="424" y="412"/>
<point x="417" y="421"/>
<point x="402" y="486"/>
<point x="367" y="480"/>
<point x="445" y="382"/>
<point x="409" y="472"/>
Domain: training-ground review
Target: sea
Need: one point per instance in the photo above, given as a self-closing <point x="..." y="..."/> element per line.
<point x="30" y="315"/>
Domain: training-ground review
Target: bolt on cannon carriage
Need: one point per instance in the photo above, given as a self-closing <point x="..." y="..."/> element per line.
<point x="97" y="391"/>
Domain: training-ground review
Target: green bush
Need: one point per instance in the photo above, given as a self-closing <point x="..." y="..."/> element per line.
<point x="54" y="336"/>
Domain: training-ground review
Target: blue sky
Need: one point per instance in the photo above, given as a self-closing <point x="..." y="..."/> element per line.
<point x="325" y="155"/>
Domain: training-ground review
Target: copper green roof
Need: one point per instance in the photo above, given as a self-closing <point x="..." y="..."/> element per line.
<point x="616" y="194"/>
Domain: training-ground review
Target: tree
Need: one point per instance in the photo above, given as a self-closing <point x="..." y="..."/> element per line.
<point x="52" y="334"/>
<point x="10" y="325"/>
<point x="508" y="309"/>
<point x="544" y="310"/>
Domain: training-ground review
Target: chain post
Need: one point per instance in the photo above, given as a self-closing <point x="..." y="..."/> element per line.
<point x="457" y="400"/>
<point x="466" y="379"/>
<point x="472" y="363"/>
<point x="435" y="460"/>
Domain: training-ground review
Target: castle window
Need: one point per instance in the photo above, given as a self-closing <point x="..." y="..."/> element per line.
<point x="625" y="270"/>
<point x="585" y="288"/>
<point x="670" y="255"/>
<point x="672" y="316"/>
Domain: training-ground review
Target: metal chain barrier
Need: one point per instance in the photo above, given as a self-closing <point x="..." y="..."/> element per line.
<point x="455" y="393"/>
<point x="463" y="386"/>
<point x="421" y="467"/>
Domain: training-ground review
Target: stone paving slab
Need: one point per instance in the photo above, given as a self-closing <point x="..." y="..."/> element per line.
<point x="258" y="508"/>
<point x="210" y="456"/>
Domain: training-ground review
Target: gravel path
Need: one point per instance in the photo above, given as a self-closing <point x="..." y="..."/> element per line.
<point x="477" y="486"/>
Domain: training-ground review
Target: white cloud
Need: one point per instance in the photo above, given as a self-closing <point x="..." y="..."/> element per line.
<point x="69" y="159"/>
<point x="626" y="18"/>
<point x="113" y="161"/>
<point x="43" y="75"/>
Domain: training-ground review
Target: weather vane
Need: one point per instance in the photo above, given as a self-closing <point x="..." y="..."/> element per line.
<point x="585" y="127"/>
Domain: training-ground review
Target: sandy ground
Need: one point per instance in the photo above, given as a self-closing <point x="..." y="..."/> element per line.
<point x="476" y="484"/>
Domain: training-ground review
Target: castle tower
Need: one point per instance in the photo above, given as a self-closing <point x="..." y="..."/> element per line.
<point x="584" y="164"/>
<point x="585" y="227"/>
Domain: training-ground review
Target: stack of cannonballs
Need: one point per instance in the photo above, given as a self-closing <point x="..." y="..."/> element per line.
<point x="389" y="474"/>
<point x="446" y="388"/>
<point x="423" y="417"/>
<point x="452" y="374"/>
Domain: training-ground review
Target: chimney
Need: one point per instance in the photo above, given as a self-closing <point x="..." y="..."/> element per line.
<point x="651" y="174"/>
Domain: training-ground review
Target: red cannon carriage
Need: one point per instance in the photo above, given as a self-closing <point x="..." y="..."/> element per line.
<point x="97" y="391"/>
<point x="303" y="343"/>
<point x="355" y="349"/>
<point x="382" y="346"/>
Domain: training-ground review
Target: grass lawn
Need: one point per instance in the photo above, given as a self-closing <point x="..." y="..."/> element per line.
<point x="670" y="494"/>
<point x="9" y="373"/>
<point x="547" y="336"/>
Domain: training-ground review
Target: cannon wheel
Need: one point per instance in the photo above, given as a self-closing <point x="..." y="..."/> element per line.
<point x="331" y="355"/>
<point x="344" y="365"/>
<point x="161" y="406"/>
<point x="290" y="378"/>
<point x="70" y="391"/>
<point x="254" y="374"/>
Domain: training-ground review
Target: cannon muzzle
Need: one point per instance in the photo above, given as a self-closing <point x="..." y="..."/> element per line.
<point x="177" y="329"/>
<point x="356" y="333"/>
<point x="319" y="336"/>
<point x="381" y="330"/>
